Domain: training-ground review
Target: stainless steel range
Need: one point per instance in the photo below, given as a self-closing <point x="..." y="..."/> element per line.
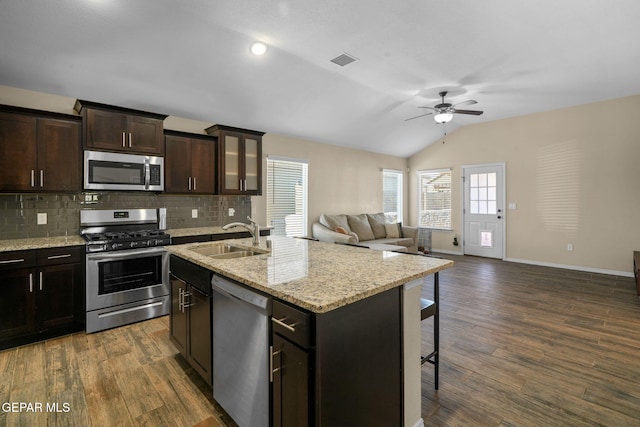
<point x="127" y="268"/>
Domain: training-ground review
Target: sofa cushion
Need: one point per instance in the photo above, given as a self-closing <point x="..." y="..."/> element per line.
<point x="359" y="224"/>
<point x="334" y="221"/>
<point x="377" y="221"/>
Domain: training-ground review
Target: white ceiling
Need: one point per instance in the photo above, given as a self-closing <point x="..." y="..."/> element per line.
<point x="190" y="58"/>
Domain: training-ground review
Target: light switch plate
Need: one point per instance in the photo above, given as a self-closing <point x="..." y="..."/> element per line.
<point x="232" y="212"/>
<point x="42" y="218"/>
<point x="512" y="206"/>
<point x="194" y="213"/>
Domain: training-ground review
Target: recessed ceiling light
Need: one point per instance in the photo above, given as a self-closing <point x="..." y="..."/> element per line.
<point x="258" y="48"/>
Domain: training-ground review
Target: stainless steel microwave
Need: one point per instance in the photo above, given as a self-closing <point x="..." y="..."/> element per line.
<point x="116" y="171"/>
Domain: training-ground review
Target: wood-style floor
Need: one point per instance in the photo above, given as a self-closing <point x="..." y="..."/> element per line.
<point x="520" y="346"/>
<point x="533" y="346"/>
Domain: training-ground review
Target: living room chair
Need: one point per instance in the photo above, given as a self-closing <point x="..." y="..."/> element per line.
<point x="429" y="308"/>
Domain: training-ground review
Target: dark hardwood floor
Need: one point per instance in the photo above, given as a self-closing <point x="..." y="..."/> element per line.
<point x="524" y="345"/>
<point x="520" y="346"/>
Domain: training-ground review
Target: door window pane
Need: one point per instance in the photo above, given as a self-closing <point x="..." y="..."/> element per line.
<point x="482" y="193"/>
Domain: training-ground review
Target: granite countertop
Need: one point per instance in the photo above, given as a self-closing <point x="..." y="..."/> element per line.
<point x="316" y="276"/>
<point x="40" y="243"/>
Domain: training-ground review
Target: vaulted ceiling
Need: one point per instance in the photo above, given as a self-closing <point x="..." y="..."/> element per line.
<point x="191" y="59"/>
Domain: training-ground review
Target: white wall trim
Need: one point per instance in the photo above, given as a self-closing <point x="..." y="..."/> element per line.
<point x="572" y="267"/>
<point x="446" y="251"/>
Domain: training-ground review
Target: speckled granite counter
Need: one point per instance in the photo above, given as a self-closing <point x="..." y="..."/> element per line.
<point x="317" y="276"/>
<point x="40" y="243"/>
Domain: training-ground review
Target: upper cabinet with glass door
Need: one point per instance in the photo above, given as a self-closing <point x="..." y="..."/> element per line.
<point x="239" y="160"/>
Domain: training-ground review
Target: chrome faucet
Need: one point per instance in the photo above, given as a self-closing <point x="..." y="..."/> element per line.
<point x="253" y="228"/>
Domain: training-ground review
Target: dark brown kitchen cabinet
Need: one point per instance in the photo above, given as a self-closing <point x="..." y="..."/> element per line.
<point x="290" y="375"/>
<point x="111" y="128"/>
<point x="239" y="160"/>
<point x="41" y="294"/>
<point x="339" y="368"/>
<point x="189" y="163"/>
<point x="39" y="153"/>
<point x="190" y="316"/>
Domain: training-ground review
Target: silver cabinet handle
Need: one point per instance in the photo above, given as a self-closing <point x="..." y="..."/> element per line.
<point x="123" y="140"/>
<point x="272" y="369"/>
<point x="189" y="183"/>
<point x="41" y="178"/>
<point x="194" y="183"/>
<point x="59" y="256"/>
<point x="41" y="280"/>
<point x="284" y="325"/>
<point x="180" y="299"/>
<point x="12" y="261"/>
<point x="129" y="139"/>
<point x="33" y="178"/>
<point x="30" y="282"/>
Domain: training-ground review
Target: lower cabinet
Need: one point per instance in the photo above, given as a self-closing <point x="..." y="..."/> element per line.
<point x="190" y="319"/>
<point x="41" y="294"/>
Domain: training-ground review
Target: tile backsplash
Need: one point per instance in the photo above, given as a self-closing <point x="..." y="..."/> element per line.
<point x="19" y="213"/>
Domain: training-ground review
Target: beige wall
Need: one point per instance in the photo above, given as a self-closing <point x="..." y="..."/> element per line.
<point x="341" y="180"/>
<point x="573" y="173"/>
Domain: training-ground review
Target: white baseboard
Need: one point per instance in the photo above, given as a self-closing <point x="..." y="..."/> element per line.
<point x="572" y="267"/>
<point x="444" y="251"/>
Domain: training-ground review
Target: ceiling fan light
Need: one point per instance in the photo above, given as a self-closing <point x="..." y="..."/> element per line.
<point x="443" y="117"/>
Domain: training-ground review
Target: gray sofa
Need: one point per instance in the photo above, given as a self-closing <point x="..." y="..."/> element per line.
<point x="364" y="230"/>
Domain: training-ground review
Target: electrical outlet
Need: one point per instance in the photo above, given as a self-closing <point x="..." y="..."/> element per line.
<point x="570" y="247"/>
<point x="232" y="212"/>
<point x="42" y="218"/>
<point x="194" y="213"/>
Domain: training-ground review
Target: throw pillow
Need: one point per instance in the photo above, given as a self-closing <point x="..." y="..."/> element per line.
<point x="341" y="230"/>
<point x="359" y="224"/>
<point x="377" y="222"/>
<point x="334" y="221"/>
<point x="355" y="236"/>
<point x="392" y="230"/>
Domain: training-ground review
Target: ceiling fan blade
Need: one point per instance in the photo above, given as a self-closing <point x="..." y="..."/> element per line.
<point x="428" y="108"/>
<point x="463" y="103"/>
<point x="472" y="112"/>
<point x="421" y="115"/>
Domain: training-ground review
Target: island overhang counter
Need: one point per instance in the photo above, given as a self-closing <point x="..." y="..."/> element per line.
<point x="364" y="350"/>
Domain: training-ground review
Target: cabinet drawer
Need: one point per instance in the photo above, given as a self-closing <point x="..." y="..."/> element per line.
<point x="17" y="259"/>
<point x="64" y="255"/>
<point x="291" y="323"/>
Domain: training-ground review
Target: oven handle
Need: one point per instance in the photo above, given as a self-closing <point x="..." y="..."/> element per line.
<point x="127" y="253"/>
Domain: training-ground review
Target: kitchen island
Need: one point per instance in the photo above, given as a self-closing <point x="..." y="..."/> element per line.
<point x="360" y="311"/>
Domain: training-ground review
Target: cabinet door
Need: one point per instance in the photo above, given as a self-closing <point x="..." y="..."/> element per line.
<point x="178" y="317"/>
<point x="17" y="302"/>
<point x="230" y="169"/>
<point x="145" y="135"/>
<point x="252" y="165"/>
<point x="59" y="155"/>
<point x="290" y="384"/>
<point x="177" y="171"/>
<point x="17" y="152"/>
<point x="203" y="166"/>
<point x="59" y="291"/>
<point x="106" y="130"/>
<point x="199" y="342"/>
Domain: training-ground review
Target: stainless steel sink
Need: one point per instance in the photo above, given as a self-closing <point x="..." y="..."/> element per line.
<point x="224" y="251"/>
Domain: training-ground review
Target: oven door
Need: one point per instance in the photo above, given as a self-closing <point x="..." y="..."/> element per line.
<point x="121" y="277"/>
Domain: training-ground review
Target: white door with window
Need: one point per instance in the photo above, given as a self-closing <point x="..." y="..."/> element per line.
<point x="484" y="210"/>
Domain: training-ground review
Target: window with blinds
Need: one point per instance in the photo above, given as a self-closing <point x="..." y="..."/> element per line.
<point x="392" y="195"/>
<point x="435" y="199"/>
<point x="287" y="196"/>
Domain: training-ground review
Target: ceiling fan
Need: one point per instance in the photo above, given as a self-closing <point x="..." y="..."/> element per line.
<point x="443" y="112"/>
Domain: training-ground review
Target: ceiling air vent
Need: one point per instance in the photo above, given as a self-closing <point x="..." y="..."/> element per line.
<point x="344" y="59"/>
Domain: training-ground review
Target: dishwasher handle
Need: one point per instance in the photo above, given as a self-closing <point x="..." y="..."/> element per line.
<point x="239" y="293"/>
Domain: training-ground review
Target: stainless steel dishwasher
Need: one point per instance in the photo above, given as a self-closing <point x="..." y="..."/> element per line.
<point x="241" y="352"/>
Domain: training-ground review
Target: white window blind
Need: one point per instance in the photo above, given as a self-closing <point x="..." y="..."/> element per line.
<point x="392" y="195"/>
<point x="435" y="199"/>
<point x="287" y="196"/>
